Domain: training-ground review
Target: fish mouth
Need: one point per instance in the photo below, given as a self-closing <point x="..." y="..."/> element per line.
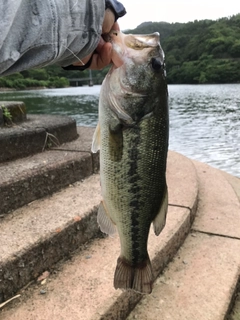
<point x="143" y="41"/>
<point x="135" y="41"/>
<point x="116" y="38"/>
<point x="108" y="36"/>
<point x="126" y="45"/>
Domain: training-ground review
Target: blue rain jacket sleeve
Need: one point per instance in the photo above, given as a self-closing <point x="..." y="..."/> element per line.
<point x="37" y="33"/>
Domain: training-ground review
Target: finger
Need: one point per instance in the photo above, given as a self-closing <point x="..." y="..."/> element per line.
<point x="101" y="43"/>
<point x="102" y="58"/>
<point x="115" y="27"/>
<point x="108" y="21"/>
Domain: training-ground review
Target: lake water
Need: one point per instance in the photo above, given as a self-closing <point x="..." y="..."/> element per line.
<point x="204" y="119"/>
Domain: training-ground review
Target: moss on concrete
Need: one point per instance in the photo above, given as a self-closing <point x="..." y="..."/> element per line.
<point x="13" y="112"/>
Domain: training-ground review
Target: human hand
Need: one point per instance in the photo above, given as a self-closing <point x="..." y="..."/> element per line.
<point x="102" y="55"/>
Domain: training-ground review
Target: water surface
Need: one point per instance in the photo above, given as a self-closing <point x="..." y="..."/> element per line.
<point x="204" y="119"/>
<point x="205" y="124"/>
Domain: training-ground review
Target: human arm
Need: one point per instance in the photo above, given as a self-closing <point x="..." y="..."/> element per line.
<point x="38" y="33"/>
<point x="102" y="55"/>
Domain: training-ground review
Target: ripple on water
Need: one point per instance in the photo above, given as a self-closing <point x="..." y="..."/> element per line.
<point x="204" y="124"/>
<point x="204" y="119"/>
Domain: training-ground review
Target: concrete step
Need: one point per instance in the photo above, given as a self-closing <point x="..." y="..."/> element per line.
<point x="201" y="280"/>
<point x="82" y="287"/>
<point x="199" y="284"/>
<point x="219" y="210"/>
<point x="25" y="180"/>
<point x="235" y="183"/>
<point x="34" y="237"/>
<point x="12" y="112"/>
<point x="39" y="132"/>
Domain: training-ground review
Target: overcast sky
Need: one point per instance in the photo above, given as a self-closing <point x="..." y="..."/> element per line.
<point x="139" y="11"/>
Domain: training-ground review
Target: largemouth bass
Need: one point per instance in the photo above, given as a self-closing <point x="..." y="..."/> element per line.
<point x="132" y="135"/>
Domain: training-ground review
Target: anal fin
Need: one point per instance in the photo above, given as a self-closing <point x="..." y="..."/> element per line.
<point x="160" y="220"/>
<point x="105" y="223"/>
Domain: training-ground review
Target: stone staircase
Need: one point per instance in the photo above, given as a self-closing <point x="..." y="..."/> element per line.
<point x="56" y="264"/>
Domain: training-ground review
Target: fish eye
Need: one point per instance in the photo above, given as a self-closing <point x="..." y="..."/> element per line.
<point x="156" y="64"/>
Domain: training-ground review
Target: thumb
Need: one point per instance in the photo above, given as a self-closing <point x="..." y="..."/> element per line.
<point x="102" y="58"/>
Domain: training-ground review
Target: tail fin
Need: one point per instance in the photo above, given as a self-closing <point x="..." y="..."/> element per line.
<point x="138" y="278"/>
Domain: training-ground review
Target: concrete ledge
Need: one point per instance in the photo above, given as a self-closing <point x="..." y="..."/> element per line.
<point x="86" y="284"/>
<point x="219" y="207"/>
<point x="17" y="110"/>
<point x="198" y="284"/>
<point x="31" y="136"/>
<point x="44" y="174"/>
<point x="234" y="182"/>
<point x="25" y="180"/>
<point x="82" y="144"/>
<point x="35" y="237"/>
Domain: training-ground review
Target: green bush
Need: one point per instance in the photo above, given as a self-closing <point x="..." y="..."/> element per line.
<point x="38" y="74"/>
<point x="235" y="49"/>
<point x="19" y="84"/>
<point x="9" y="83"/>
<point x="60" y="82"/>
<point x="2" y="82"/>
<point x="15" y="76"/>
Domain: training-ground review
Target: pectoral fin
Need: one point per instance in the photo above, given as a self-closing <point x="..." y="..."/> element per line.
<point x="96" y="139"/>
<point x="160" y="220"/>
<point x="105" y="223"/>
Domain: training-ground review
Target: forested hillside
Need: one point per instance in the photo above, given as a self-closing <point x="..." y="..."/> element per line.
<point x="203" y="51"/>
